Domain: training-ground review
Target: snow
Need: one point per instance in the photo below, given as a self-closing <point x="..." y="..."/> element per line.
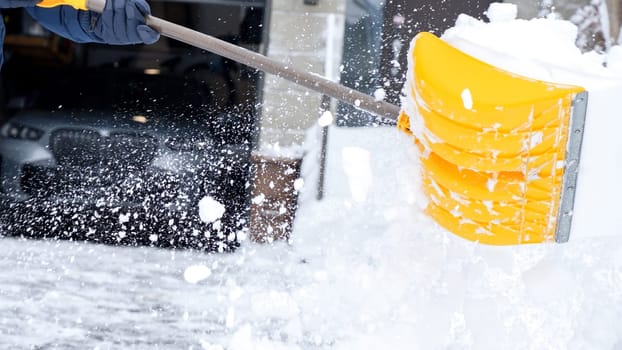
<point x="356" y="166"/>
<point x="299" y="184"/>
<point x="498" y="12"/>
<point x="382" y="274"/>
<point x="467" y="99"/>
<point x="210" y="209"/>
<point x="365" y="268"/>
<point x="380" y="94"/>
<point x="196" y="273"/>
<point x="326" y="118"/>
<point x="258" y="199"/>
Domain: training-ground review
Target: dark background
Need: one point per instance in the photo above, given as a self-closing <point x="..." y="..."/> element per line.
<point x="376" y="45"/>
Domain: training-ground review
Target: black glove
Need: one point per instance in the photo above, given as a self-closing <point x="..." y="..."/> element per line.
<point x="123" y="22"/>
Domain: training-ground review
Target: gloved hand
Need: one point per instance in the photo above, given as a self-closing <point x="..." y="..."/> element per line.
<point x="5" y="4"/>
<point x="123" y="22"/>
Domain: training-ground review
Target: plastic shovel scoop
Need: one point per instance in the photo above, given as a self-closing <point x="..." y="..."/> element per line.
<point x="499" y="152"/>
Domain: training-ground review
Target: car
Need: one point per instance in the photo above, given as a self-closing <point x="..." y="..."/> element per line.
<point x="123" y="157"/>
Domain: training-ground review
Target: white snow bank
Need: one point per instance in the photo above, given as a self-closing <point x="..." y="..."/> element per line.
<point x="542" y="48"/>
<point x="381" y="274"/>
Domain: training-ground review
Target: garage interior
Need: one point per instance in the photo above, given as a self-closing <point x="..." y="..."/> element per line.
<point x="217" y="96"/>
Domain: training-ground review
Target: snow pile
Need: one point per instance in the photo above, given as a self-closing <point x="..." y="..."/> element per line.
<point x="378" y="273"/>
<point x="541" y="48"/>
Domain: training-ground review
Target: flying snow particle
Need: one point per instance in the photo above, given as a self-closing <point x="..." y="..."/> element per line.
<point x="153" y="237"/>
<point x="299" y="183"/>
<point x="123" y="218"/>
<point x="210" y="209"/>
<point x="241" y="236"/>
<point x="326" y="119"/>
<point x="467" y="99"/>
<point x="260" y="198"/>
<point x="380" y="94"/>
<point x="196" y="273"/>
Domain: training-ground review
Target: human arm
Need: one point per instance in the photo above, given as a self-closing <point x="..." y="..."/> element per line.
<point x="121" y="22"/>
<point x="66" y="22"/>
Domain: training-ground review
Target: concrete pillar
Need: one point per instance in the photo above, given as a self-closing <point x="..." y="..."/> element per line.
<point x="614" y="9"/>
<point x="308" y="37"/>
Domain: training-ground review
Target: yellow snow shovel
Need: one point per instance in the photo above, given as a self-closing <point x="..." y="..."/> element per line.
<point x="499" y="152"/>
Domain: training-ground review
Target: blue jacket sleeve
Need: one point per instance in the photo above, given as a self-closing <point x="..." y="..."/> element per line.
<point x="67" y="22"/>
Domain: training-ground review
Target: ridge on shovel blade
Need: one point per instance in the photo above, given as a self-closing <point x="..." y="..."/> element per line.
<point x="499" y="152"/>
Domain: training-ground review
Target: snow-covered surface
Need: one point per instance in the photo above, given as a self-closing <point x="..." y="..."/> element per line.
<point x="365" y="269"/>
<point x="408" y="284"/>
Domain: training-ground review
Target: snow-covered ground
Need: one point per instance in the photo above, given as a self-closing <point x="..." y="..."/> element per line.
<point x="365" y="269"/>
